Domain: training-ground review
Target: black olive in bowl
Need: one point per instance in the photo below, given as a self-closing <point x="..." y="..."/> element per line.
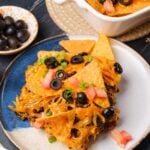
<point x="22" y="35"/>
<point x="13" y="42"/>
<point x="20" y="24"/>
<point x="9" y="21"/>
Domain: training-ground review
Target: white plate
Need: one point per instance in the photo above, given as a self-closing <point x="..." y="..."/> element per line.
<point x="133" y="101"/>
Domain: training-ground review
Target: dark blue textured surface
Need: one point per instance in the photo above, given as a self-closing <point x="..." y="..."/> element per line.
<point x="48" y="28"/>
<point x="15" y="80"/>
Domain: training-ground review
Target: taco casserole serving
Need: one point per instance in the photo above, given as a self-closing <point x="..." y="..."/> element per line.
<point x="77" y="87"/>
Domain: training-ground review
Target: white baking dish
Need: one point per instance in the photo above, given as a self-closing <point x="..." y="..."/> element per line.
<point x="112" y="26"/>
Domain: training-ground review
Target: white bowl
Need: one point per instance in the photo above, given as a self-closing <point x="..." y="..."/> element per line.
<point x="112" y="26"/>
<point x="20" y="13"/>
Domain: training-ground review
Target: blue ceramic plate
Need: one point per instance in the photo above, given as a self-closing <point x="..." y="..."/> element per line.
<point x="133" y="101"/>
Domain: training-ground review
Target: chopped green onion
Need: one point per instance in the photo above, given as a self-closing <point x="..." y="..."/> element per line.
<point x="64" y="64"/>
<point x="67" y="93"/>
<point x="49" y="113"/>
<point x="52" y="139"/>
<point x="41" y="60"/>
<point x="89" y="59"/>
<point x="84" y="85"/>
<point x="60" y="68"/>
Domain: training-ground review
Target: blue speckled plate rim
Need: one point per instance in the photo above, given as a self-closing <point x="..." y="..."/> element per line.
<point x="2" y="81"/>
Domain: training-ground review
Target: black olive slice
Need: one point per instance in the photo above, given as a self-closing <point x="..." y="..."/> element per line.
<point x="61" y="74"/>
<point x="77" y="59"/>
<point x="125" y="2"/>
<point x="118" y="68"/>
<point x="82" y="99"/>
<point x="51" y="63"/>
<point x="56" y="84"/>
<point x="108" y="112"/>
<point x="75" y="132"/>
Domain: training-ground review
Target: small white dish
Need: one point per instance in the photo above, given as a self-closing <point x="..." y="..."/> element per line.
<point x="20" y="13"/>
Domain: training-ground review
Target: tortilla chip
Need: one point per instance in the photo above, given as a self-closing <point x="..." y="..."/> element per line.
<point x="103" y="48"/>
<point x="62" y="128"/>
<point x="92" y="75"/>
<point x="77" y="46"/>
<point x="103" y="52"/>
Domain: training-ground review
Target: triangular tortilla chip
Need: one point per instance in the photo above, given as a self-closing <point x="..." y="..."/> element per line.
<point x="92" y="75"/>
<point x="104" y="53"/>
<point x="103" y="48"/>
<point x="77" y="46"/>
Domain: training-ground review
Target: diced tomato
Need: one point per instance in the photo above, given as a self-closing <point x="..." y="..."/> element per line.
<point x="100" y="93"/>
<point x="108" y="6"/>
<point x="91" y="93"/>
<point x="121" y="137"/>
<point x="74" y="82"/>
<point x="38" y="123"/>
<point x="48" y="78"/>
<point x="116" y="135"/>
<point x="126" y="135"/>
